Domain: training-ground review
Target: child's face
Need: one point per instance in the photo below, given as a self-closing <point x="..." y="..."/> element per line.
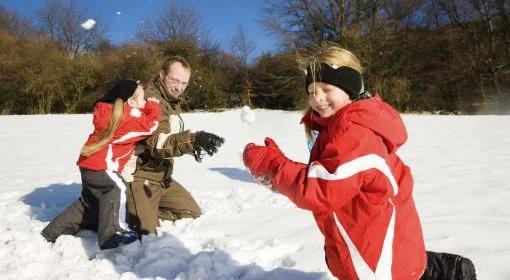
<point x="326" y="99"/>
<point x="137" y="100"/>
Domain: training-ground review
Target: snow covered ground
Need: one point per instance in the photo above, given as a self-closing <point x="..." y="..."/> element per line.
<point x="461" y="168"/>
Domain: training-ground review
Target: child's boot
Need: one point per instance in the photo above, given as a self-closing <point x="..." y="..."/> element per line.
<point x="466" y="270"/>
<point x="448" y="267"/>
<point x="119" y="239"/>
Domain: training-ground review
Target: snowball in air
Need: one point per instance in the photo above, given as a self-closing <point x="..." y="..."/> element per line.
<point x="247" y="115"/>
<point x="118" y="13"/>
<point x="89" y="24"/>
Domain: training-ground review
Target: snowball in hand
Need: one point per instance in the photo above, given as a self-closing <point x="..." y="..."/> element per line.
<point x="89" y="24"/>
<point x="247" y="115"/>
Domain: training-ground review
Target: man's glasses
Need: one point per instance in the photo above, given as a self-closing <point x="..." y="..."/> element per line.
<point x="173" y="81"/>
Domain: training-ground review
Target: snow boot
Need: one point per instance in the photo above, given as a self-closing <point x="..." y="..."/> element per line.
<point x="444" y="266"/>
<point x="466" y="270"/>
<point x="458" y="267"/>
<point x="119" y="239"/>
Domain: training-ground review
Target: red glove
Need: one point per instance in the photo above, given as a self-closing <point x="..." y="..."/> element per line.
<point x="263" y="161"/>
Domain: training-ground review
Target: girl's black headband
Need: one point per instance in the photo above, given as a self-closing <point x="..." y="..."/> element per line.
<point x="346" y="78"/>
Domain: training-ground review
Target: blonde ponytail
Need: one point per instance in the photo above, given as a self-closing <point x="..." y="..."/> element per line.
<point x="115" y="119"/>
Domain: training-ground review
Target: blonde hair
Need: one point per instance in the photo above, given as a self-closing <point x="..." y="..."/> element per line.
<point x="115" y="120"/>
<point x="310" y="59"/>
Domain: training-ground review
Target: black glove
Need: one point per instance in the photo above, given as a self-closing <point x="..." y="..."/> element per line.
<point x="206" y="143"/>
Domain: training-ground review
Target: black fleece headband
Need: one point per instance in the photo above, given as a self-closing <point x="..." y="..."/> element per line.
<point x="346" y="78"/>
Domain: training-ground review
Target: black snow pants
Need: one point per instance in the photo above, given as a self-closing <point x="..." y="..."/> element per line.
<point x="101" y="207"/>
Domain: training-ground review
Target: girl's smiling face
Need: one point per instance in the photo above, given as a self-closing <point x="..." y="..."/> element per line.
<point x="326" y="99"/>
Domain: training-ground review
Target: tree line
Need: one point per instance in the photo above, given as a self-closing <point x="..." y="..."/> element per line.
<point x="434" y="55"/>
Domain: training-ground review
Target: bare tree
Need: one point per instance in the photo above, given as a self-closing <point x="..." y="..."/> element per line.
<point x="503" y="10"/>
<point x="477" y="19"/>
<point x="13" y="23"/>
<point x="312" y="22"/>
<point x="296" y="21"/>
<point x="62" y="20"/>
<point x="176" y="22"/>
<point x="241" y="45"/>
<point x="242" y="48"/>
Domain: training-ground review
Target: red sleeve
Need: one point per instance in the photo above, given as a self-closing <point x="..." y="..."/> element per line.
<point x="134" y="129"/>
<point x="329" y="183"/>
<point x="151" y="110"/>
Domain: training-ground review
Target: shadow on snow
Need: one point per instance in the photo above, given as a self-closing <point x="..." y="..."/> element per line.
<point x="157" y="256"/>
<point x="234" y="173"/>
<point x="165" y="256"/>
<point x="47" y="202"/>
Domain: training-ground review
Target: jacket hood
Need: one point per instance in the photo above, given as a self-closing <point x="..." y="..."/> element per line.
<point x="372" y="113"/>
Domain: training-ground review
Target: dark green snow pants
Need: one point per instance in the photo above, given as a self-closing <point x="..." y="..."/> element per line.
<point x="148" y="201"/>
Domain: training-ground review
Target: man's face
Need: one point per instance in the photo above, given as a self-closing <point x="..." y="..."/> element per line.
<point x="177" y="79"/>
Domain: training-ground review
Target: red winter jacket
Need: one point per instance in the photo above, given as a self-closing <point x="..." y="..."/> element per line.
<point x="360" y="193"/>
<point x="136" y="125"/>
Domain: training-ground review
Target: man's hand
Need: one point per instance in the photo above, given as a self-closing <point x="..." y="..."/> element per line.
<point x="206" y="143"/>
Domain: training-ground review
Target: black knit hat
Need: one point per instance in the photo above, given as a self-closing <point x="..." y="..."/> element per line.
<point x="123" y="89"/>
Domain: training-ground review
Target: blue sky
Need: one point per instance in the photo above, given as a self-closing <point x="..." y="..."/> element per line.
<point x="221" y="17"/>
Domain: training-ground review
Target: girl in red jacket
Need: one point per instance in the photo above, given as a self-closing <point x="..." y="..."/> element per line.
<point x="358" y="189"/>
<point x="121" y="118"/>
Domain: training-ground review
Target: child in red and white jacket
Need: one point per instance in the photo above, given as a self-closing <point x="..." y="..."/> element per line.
<point x="122" y="117"/>
<point x="358" y="189"/>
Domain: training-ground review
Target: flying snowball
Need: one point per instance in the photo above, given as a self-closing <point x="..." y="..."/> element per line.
<point x="247" y="115"/>
<point x="119" y="13"/>
<point x="89" y="24"/>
